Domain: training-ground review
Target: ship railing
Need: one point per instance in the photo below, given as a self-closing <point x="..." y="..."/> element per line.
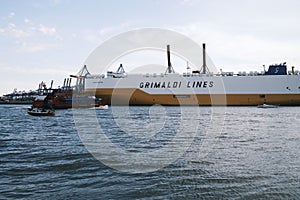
<point x="188" y="74"/>
<point x="95" y="76"/>
<point x="295" y="73"/>
<point x="155" y="75"/>
<point x="242" y="73"/>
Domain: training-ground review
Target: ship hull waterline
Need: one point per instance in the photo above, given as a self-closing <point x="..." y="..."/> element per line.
<point x="137" y="97"/>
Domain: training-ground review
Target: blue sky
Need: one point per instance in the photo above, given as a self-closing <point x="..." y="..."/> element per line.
<point x="41" y="40"/>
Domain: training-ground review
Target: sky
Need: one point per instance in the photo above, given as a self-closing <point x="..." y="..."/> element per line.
<point x="44" y="40"/>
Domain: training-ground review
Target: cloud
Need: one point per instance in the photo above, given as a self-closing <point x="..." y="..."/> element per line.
<point x="11" y="15"/>
<point x="28" y="29"/>
<point x="27" y="36"/>
<point x="47" y="30"/>
<point x="28" y="22"/>
<point x="56" y="2"/>
<point x="14" y="31"/>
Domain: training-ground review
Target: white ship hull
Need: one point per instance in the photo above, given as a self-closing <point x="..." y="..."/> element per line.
<point x="197" y="89"/>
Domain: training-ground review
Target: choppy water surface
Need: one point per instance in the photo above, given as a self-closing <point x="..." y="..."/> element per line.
<point x="255" y="154"/>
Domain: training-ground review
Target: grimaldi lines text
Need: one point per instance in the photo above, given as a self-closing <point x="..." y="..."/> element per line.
<point x="176" y="84"/>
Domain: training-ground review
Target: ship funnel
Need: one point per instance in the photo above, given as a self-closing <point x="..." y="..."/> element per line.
<point x="170" y="68"/>
<point x="67" y="82"/>
<point x="204" y="60"/>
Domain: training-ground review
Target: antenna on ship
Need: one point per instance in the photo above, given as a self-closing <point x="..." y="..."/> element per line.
<point x="204" y="68"/>
<point x="170" y="68"/>
<point x="188" y="69"/>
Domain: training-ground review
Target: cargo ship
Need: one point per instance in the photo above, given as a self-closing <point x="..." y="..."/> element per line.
<point x="275" y="86"/>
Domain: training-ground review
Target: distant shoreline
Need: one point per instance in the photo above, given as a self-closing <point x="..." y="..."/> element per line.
<point x="16" y="102"/>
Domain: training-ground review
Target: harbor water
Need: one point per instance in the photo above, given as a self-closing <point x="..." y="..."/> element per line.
<point x="213" y="153"/>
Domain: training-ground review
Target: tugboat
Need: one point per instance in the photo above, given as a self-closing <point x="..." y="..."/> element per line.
<point x="64" y="97"/>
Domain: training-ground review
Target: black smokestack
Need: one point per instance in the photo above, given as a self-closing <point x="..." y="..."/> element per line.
<point x="204" y="59"/>
<point x="170" y="69"/>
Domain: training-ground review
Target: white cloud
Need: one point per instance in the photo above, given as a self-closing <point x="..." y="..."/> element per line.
<point x="11" y="15"/>
<point x="46" y="30"/>
<point x="29" y="29"/>
<point x="17" y="32"/>
<point x="56" y="2"/>
<point x="28" y="22"/>
<point x="29" y="37"/>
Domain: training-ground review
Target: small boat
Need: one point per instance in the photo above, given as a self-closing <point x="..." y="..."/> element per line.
<point x="104" y="107"/>
<point x="40" y="112"/>
<point x="267" y="106"/>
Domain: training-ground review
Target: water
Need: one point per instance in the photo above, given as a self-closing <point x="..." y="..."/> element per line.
<point x="255" y="154"/>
